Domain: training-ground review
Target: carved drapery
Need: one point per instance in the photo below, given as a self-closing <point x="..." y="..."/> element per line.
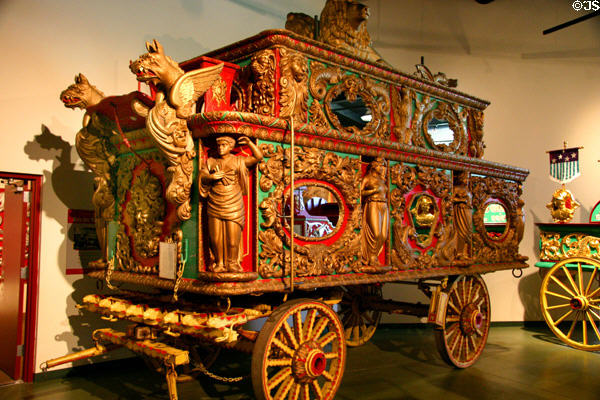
<point x="555" y="248"/>
<point x="428" y="108"/>
<point x="406" y="178"/>
<point x="314" y="258"/>
<point x="326" y="84"/>
<point x="484" y="191"/>
<point x="294" y="85"/>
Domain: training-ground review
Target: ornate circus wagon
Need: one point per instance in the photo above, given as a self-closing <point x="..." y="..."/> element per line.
<point x="286" y="179"/>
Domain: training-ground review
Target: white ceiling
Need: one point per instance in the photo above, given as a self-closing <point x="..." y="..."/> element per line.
<point x="500" y="28"/>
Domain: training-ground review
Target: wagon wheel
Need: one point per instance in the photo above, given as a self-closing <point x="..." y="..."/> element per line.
<point x="570" y="297"/>
<point x="359" y="321"/>
<point x="462" y="338"/>
<point x="300" y="353"/>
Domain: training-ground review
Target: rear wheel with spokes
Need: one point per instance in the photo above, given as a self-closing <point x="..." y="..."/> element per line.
<point x="570" y="302"/>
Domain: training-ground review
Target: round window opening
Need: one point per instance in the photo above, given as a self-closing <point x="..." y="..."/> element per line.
<point x="317" y="212"/>
<point x="494" y="220"/>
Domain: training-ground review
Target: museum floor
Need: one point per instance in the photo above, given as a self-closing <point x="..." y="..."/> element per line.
<point x="398" y="363"/>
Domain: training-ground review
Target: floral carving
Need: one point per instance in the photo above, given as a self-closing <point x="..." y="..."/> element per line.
<point x="553" y="248"/>
<point x="475" y="124"/>
<point x="294" y="87"/>
<point x="313" y="258"/>
<point x="402" y="101"/>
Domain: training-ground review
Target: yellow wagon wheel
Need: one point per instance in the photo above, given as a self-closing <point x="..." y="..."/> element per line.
<point x="300" y="353"/>
<point x="463" y="335"/>
<point x="360" y="322"/>
<point x="570" y="301"/>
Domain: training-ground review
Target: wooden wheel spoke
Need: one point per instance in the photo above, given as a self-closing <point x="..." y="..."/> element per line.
<point x="367" y="318"/>
<point x="294" y="392"/>
<point x="594" y="293"/>
<point x="289" y="334"/>
<point x="595" y="307"/>
<point x="562" y="285"/>
<point x="557" y="295"/>
<point x="452" y="319"/>
<point x="453" y="307"/>
<point x="580" y="278"/>
<point x="468" y="295"/>
<point x="585" y="338"/>
<point x="279" y="362"/>
<point x="279" y="377"/>
<point x="594" y="326"/>
<point x="319" y="328"/>
<point x="284" y="389"/>
<point x="298" y="327"/>
<point x="572" y="328"/>
<point x="331" y="356"/>
<point x="563" y="317"/>
<point x="316" y="388"/>
<point x="309" y="323"/>
<point x="589" y="285"/>
<point x="570" y="279"/>
<point x="558" y="306"/>
<point x="327" y="376"/>
<point x="305" y="391"/>
<point x="325" y="340"/>
<point x="594" y="314"/>
<point x="283" y="347"/>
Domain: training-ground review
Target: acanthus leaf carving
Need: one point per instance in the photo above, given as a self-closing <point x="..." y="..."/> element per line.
<point x="294" y="86"/>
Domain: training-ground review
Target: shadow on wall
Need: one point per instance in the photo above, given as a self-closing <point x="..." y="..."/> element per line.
<point x="65" y="188"/>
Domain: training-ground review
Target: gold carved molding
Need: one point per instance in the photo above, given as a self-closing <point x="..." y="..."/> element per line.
<point x="313" y="258"/>
<point x="555" y="248"/>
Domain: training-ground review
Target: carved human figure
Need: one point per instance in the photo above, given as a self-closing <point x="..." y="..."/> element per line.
<point x="376" y="217"/>
<point x="224" y="181"/>
<point x="463" y="215"/>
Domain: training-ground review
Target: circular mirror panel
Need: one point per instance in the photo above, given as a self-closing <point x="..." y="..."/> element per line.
<point x="317" y="212"/>
<point x="351" y="113"/>
<point x="440" y="132"/>
<point x="494" y="220"/>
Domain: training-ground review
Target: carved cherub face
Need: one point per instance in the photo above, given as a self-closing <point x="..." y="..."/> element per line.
<point x="154" y="66"/>
<point x="80" y="94"/>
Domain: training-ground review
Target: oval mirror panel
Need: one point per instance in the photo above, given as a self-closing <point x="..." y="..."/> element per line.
<point x="440" y="132"/>
<point x="351" y="113"/>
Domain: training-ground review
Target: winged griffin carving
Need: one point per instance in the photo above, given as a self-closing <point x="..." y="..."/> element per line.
<point x="177" y="93"/>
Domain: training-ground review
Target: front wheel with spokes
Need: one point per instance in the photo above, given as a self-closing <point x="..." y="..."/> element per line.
<point x="570" y="302"/>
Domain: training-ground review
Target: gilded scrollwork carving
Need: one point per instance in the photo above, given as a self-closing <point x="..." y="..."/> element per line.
<point x="555" y="248"/>
<point x="293" y="84"/>
<point x="142" y="212"/>
<point x="475" y="125"/>
<point x="431" y="180"/>
<point x="313" y="258"/>
<point x="167" y="120"/>
<point x="261" y="83"/>
<point x="145" y="214"/>
<point x="484" y="191"/>
<point x="95" y="150"/>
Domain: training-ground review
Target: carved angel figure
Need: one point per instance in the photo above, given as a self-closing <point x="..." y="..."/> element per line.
<point x="167" y="120"/>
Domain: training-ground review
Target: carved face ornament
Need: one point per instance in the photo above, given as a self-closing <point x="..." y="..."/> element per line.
<point x="153" y="66"/>
<point x="77" y="95"/>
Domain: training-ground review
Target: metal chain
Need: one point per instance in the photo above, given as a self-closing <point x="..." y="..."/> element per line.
<point x="200" y="366"/>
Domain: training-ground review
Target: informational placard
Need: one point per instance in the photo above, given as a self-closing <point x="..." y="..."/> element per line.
<point x="82" y="241"/>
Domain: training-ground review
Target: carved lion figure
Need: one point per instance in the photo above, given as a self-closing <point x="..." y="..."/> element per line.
<point x="344" y="25"/>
